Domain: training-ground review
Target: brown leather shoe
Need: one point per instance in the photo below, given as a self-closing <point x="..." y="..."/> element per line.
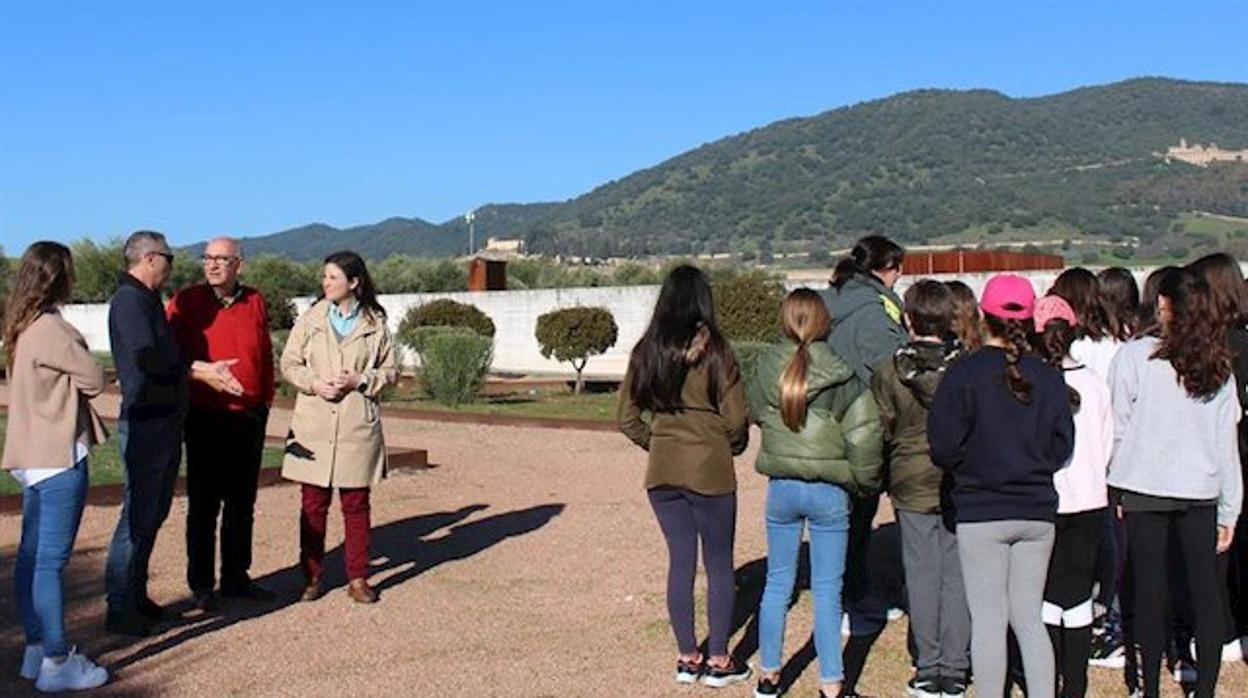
<point x="361" y="592"/>
<point x="311" y="590"/>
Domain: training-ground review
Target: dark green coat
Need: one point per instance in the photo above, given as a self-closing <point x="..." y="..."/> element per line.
<point x="867" y="324"/>
<point x="903" y="387"/>
<point x="840" y="442"/>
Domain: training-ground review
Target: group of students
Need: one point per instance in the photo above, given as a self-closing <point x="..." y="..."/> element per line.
<point x="199" y="369"/>
<point x="1035" y="450"/>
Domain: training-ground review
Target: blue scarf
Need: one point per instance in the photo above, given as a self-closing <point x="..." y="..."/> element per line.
<point x="343" y="324"/>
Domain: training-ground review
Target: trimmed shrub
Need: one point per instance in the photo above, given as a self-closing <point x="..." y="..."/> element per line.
<point x="748" y="306"/>
<point x="445" y="312"/>
<point x="575" y="334"/>
<point x="454" y="365"/>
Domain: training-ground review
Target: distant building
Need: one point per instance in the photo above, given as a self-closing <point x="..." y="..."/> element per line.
<point x="1202" y="156"/>
<point x="505" y="246"/>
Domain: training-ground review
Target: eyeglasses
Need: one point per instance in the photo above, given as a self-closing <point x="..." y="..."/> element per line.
<point x="167" y="255"/>
<point x="211" y="259"/>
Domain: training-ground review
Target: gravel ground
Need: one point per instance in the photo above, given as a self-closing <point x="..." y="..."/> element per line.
<point x="526" y="562"/>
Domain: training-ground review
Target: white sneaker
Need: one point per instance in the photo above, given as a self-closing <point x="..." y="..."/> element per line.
<point x="31" y="660"/>
<point x="895" y="613"/>
<point x="74" y="674"/>
<point x="1232" y="651"/>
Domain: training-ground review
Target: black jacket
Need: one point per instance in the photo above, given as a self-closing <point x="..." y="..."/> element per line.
<point x="150" y="367"/>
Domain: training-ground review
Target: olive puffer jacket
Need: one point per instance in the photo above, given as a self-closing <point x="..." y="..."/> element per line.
<point x="841" y="440"/>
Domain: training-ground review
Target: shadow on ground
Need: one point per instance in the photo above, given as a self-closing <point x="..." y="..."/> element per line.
<point x="883" y="569"/>
<point x="404" y="549"/>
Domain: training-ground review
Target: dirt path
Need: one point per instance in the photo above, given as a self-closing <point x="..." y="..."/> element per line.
<point x="526" y="563"/>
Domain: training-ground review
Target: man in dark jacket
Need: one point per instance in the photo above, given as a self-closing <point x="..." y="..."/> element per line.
<point x="153" y="376"/>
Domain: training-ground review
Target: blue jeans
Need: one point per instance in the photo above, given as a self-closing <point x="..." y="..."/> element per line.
<point x="791" y="505"/>
<point x="152" y="452"/>
<point x="51" y="511"/>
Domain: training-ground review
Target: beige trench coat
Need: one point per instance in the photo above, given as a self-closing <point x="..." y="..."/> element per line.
<point x="336" y="444"/>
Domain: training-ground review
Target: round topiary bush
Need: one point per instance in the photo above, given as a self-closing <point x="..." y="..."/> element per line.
<point x="574" y="335"/>
<point x="443" y="312"/>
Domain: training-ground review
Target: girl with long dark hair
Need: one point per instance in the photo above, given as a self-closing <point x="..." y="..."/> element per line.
<point x="52" y="426"/>
<point x="340" y="357"/>
<point x="1082" y="499"/>
<point x="1120" y="296"/>
<point x="821" y="439"/>
<point x="683" y="375"/>
<point x="1095" y="341"/>
<point x="1000" y="425"/>
<point x="1174" y="470"/>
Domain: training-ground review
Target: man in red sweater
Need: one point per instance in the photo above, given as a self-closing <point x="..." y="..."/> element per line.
<point x="224" y="320"/>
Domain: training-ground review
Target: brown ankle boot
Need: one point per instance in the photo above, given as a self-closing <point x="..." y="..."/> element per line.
<point x="361" y="592"/>
<point x="311" y="590"/>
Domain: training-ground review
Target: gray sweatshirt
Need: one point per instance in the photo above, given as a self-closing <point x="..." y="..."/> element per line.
<point x="1168" y="444"/>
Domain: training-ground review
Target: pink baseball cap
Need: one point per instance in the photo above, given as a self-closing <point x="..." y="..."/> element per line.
<point x="1051" y="308"/>
<point x="1008" y="296"/>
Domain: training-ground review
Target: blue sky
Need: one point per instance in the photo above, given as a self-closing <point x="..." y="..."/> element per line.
<point x="245" y="118"/>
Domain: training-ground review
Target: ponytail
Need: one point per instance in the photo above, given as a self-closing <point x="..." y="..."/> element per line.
<point x="793" y="388"/>
<point x="1053" y="345"/>
<point x="1017" y="343"/>
<point x="803" y="319"/>
<point x="870" y="254"/>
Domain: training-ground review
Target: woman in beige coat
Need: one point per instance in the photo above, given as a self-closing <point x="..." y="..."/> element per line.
<point x="340" y="357"/>
<point x="52" y="377"/>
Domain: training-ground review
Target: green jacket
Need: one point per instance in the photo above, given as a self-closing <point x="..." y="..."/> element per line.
<point x="867" y="324"/>
<point x="840" y="442"/>
<point x="903" y="387"/>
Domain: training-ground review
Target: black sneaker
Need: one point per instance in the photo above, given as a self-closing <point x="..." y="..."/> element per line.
<point x="767" y="688"/>
<point x="205" y="601"/>
<point x="689" y="672"/>
<point x="718" y="677"/>
<point x="923" y="687"/>
<point x="149" y="609"/>
<point x="131" y="624"/>
<point x="951" y="687"/>
<point x="250" y="590"/>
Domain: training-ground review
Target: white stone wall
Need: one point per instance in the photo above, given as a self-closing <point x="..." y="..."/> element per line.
<point x="515" y="314"/>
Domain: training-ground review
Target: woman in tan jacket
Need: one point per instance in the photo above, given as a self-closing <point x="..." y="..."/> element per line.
<point x="340" y="357"/>
<point x="51" y="427"/>
<point x="683" y="375"/>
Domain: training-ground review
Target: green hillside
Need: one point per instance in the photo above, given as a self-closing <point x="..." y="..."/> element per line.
<point x="929" y="165"/>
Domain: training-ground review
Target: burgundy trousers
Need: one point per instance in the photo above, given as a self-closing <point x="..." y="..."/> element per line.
<point x="355" y="516"/>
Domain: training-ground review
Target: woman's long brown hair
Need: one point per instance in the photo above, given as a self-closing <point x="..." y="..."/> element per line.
<point x="1194" y="339"/>
<point x="966" y="322"/>
<point x="44" y="279"/>
<point x="804" y="319"/>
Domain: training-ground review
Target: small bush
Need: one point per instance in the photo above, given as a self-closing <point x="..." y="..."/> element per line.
<point x="747" y="356"/>
<point x="748" y="306"/>
<point x="575" y="334"/>
<point x="442" y="313"/>
<point x="454" y="365"/>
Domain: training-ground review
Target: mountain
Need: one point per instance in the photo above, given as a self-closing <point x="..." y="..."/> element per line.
<point x="917" y="166"/>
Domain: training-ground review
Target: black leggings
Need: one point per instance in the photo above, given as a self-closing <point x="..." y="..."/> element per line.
<point x="1148" y="536"/>
<point x="1068" y="596"/>
<point x="685" y="517"/>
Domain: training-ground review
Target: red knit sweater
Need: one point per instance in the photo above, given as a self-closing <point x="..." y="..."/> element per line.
<point x="209" y="331"/>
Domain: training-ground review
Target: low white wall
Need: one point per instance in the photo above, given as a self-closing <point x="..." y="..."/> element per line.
<point x="515" y="314"/>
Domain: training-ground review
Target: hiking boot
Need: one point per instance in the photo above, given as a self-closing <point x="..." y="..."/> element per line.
<point x="76" y="673"/>
<point x="721" y="676"/>
<point x="952" y="687"/>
